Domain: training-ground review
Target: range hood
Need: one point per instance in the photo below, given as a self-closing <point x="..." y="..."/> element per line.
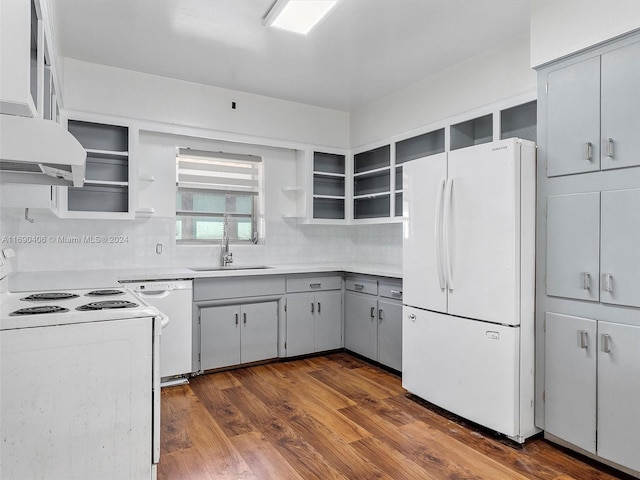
<point x="39" y="151"/>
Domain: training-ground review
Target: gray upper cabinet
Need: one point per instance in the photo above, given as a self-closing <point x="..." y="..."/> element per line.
<point x="593" y="108"/>
<point x="570" y="382"/>
<point x="573" y="246"/>
<point x="620" y="255"/>
<point x="620" y="107"/>
<point x="573" y="118"/>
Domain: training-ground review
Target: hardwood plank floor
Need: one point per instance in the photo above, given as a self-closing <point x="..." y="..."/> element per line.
<point x="337" y="417"/>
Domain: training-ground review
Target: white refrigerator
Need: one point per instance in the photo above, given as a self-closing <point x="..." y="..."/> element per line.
<point x="468" y="280"/>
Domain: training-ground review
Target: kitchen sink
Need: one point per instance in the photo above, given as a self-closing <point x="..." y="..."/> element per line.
<point x="218" y="268"/>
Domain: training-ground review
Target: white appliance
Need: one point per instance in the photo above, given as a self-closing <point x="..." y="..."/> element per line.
<point x="174" y="298"/>
<point x="468" y="276"/>
<point x="79" y="384"/>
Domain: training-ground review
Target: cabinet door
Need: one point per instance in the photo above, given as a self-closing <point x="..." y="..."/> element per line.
<point x="573" y="118"/>
<point x="390" y="334"/>
<point x="620" y="255"/>
<point x="619" y="394"/>
<point x="620" y="107"/>
<point x="573" y="246"/>
<point x="219" y="337"/>
<point x="259" y="338"/>
<point x="328" y="321"/>
<point x="570" y="379"/>
<point x="361" y="326"/>
<point x="300" y="324"/>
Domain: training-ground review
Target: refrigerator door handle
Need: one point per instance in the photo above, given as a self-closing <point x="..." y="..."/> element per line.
<point x="446" y="240"/>
<point x="438" y="232"/>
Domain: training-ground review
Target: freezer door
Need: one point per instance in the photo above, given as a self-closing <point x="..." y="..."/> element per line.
<point x="422" y="261"/>
<point x="482" y="232"/>
<point x="467" y="367"/>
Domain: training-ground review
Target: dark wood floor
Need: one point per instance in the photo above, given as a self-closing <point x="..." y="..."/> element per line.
<point x="335" y="417"/>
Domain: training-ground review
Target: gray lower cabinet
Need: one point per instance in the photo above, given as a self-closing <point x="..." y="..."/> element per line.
<point x="361" y="326"/>
<point x="592" y="386"/>
<point x="373" y="319"/>
<point x="314" y="314"/>
<point x="235" y="334"/>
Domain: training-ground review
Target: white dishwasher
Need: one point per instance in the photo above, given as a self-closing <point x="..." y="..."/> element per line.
<point x="174" y="298"/>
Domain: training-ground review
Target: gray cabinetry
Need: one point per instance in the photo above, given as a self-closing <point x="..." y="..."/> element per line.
<point x="235" y="334"/>
<point x="236" y="320"/>
<point x="592" y="249"/>
<point x="373" y="319"/>
<point x="360" y="326"/>
<point x="314" y="314"/>
<point x="573" y="119"/>
<point x="570" y="382"/>
<point x="593" y="106"/>
<point x="573" y="246"/>
<point x="592" y="386"/>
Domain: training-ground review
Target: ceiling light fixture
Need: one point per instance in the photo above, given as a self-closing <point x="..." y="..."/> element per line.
<point x="298" y="16"/>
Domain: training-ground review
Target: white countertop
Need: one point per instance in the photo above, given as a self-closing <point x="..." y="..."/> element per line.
<point x="106" y="278"/>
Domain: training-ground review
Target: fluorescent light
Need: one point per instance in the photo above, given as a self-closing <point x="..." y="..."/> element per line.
<point x="298" y="16"/>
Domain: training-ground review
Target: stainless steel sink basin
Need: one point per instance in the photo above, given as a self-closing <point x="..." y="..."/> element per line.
<point x="228" y="267"/>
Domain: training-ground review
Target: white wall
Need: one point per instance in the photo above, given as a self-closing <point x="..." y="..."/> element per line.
<point x="562" y="27"/>
<point x="107" y="90"/>
<point x="482" y="80"/>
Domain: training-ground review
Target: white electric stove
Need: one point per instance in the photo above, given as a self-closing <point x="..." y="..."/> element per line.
<point x="79" y="383"/>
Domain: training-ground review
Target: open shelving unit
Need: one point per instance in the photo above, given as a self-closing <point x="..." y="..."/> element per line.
<point x="329" y="186"/>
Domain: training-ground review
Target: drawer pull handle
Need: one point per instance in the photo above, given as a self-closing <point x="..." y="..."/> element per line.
<point x="318" y="307"/>
<point x="315" y="285"/>
<point x="373" y="312"/>
<point x="244" y="318"/>
<point x="396" y="293"/>
<point x="358" y="286"/>
<point x="236" y="319"/>
<point x="312" y="307"/>
<point x="586" y="280"/>
<point x="380" y="315"/>
<point x="608" y="282"/>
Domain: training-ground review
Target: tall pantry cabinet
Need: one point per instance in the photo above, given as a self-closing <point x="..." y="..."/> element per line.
<point x="588" y="287"/>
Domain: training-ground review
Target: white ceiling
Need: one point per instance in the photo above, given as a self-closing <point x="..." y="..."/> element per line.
<point x="364" y="49"/>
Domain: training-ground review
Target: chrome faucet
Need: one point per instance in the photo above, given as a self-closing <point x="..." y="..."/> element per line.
<point x="226" y="257"/>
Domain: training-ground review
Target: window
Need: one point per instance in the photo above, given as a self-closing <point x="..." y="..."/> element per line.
<point x="212" y="186"/>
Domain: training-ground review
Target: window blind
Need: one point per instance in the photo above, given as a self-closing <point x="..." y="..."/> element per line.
<point x="221" y="172"/>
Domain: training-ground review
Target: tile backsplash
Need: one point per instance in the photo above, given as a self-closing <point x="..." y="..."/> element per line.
<point x="50" y="243"/>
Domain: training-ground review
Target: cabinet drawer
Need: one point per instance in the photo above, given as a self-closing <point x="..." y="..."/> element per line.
<point x="390" y="290"/>
<point x="236" y="287"/>
<point x="362" y="285"/>
<point x="310" y="284"/>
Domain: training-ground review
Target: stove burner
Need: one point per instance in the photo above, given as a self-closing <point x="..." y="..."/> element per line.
<point x="40" y="309"/>
<point x="43" y="297"/>
<point x="107" y="304"/>
<point x="104" y="293"/>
